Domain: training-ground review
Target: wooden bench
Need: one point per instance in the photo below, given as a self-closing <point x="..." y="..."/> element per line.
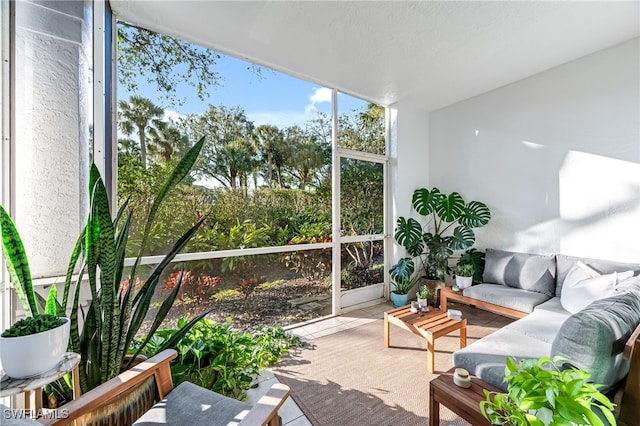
<point x="447" y="293"/>
<point x="628" y="411"/>
<point x="264" y="412"/>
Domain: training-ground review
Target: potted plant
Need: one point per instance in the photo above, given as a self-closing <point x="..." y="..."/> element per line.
<point x="423" y="295"/>
<point x="464" y="275"/>
<point x="34" y="345"/>
<point x="401" y="288"/>
<point x="541" y="393"/>
<point x="434" y="243"/>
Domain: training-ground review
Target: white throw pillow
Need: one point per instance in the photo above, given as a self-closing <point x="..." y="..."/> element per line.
<point x="583" y="285"/>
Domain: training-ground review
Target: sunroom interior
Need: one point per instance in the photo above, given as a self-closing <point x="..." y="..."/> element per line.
<point x="532" y="107"/>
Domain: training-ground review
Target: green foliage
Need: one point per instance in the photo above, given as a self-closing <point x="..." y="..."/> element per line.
<point x="423" y="292"/>
<point x="219" y="358"/>
<point x="402" y="285"/>
<point x="464" y="270"/>
<point x="540" y="393"/>
<point x="476" y="258"/>
<point x="17" y="263"/>
<point x="117" y="311"/>
<point x="432" y="244"/>
<point x="165" y="61"/>
<point x="32" y="325"/>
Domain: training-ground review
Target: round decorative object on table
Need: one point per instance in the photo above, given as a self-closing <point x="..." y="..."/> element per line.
<point x="461" y="378"/>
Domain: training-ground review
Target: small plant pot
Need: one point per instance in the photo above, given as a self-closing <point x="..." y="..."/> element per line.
<point x="28" y="356"/>
<point x="399" y="299"/>
<point x="422" y="304"/>
<point x="464" y="282"/>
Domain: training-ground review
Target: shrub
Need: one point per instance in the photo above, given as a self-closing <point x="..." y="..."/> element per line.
<point x="217" y="357"/>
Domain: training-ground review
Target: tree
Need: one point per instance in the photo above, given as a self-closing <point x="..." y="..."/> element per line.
<point x="166" y="141"/>
<point x="157" y="57"/>
<point x="272" y="149"/>
<point x="138" y="114"/>
<point x="363" y="131"/>
<point x="222" y="126"/>
<point x="307" y="156"/>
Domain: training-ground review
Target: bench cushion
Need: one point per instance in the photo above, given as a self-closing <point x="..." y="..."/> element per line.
<point x="189" y="404"/>
<point x="594" y="338"/>
<point x="486" y="358"/>
<point x="533" y="272"/>
<point x="509" y="297"/>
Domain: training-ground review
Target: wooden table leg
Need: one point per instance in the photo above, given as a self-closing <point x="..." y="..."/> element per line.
<point x="75" y="375"/>
<point x="434" y="409"/>
<point x="430" y="353"/>
<point x="386" y="330"/>
<point x="463" y="334"/>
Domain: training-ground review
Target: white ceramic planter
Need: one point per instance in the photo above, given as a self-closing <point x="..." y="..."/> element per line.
<point x="463" y="282"/>
<point x="28" y="356"/>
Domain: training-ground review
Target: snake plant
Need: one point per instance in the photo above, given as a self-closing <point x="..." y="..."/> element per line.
<point x="116" y="312"/>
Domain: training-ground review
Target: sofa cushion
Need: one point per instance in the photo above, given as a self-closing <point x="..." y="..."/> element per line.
<point x="509" y="297"/>
<point x="583" y="285"/>
<point x="486" y="358"/>
<point x="541" y="324"/>
<point x="594" y="338"/>
<point x="533" y="272"/>
<point x="565" y="263"/>
<point x="192" y="404"/>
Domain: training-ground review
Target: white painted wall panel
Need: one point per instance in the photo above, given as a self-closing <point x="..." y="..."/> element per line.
<point x="555" y="156"/>
<point x="51" y="130"/>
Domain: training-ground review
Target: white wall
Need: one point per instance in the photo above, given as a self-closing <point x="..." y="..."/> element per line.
<point x="409" y="160"/>
<point x="51" y="133"/>
<point x="555" y="156"/>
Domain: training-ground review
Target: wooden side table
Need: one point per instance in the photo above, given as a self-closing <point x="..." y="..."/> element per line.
<point x="463" y="402"/>
<point x="430" y="325"/>
<point x="33" y="385"/>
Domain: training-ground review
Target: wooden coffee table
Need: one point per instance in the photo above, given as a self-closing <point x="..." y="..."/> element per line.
<point x="430" y="325"/>
<point x="464" y="402"/>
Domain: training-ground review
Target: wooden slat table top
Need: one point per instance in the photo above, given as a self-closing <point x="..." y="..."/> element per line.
<point x="434" y="321"/>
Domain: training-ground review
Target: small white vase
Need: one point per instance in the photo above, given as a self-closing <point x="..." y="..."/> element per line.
<point x="28" y="356"/>
<point x="464" y="282"/>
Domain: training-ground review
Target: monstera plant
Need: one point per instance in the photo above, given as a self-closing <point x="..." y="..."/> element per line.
<point x="447" y="226"/>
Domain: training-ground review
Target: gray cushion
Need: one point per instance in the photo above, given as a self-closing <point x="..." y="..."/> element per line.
<point x="509" y="297"/>
<point x="553" y="305"/>
<point x="486" y="358"/>
<point x="541" y="324"/>
<point x="189" y="404"/>
<point x="565" y="263"/>
<point x="533" y="272"/>
<point x="593" y="339"/>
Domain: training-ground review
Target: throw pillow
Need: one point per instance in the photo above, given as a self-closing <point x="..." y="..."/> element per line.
<point x="583" y="285"/>
<point x="594" y="338"/>
<point x="533" y="272"/>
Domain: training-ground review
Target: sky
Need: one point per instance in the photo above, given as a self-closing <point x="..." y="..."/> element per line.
<point x="268" y="97"/>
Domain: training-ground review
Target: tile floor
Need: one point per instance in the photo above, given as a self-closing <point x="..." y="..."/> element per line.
<point x="290" y="413"/>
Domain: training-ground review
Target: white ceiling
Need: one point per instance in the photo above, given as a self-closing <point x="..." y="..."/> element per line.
<point x="432" y="53"/>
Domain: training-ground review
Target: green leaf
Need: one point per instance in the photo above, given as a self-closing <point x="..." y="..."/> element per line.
<point x="462" y="238"/>
<point x="402" y="270"/>
<point x="475" y="215"/>
<point x="17" y="264"/>
<point x="451" y="207"/>
<point x="425" y="201"/>
<point x="408" y="232"/>
<point x="51" y="307"/>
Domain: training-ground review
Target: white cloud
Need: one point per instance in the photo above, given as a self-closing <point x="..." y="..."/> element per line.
<point x="320" y="95"/>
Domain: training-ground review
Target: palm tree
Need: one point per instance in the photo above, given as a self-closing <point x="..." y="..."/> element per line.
<point x="270" y="141"/>
<point x="138" y="113"/>
<point x="166" y="141"/>
<point x="306" y="157"/>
